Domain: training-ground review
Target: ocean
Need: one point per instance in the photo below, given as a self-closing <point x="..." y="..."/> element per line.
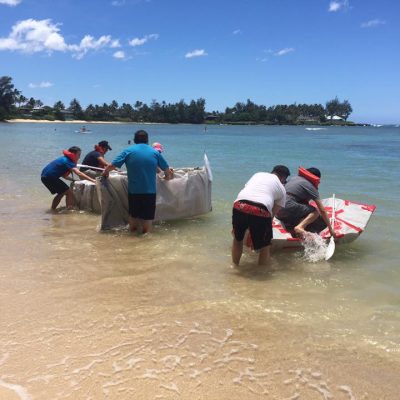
<point x="90" y="315"/>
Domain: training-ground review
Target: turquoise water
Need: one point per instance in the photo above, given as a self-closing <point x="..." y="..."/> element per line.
<point x="352" y="301"/>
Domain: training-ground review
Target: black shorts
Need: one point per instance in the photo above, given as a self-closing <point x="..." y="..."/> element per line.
<point x="294" y="212"/>
<point x="260" y="228"/>
<point x="142" y="206"/>
<point x="55" y="185"/>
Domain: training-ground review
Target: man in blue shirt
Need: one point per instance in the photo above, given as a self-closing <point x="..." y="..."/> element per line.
<point x="141" y="162"/>
<point x="62" y="167"/>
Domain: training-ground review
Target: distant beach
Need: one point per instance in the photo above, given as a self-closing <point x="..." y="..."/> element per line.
<point x="75" y="121"/>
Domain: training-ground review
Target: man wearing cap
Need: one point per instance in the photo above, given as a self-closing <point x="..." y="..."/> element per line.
<point x="141" y="162"/>
<point x="253" y="210"/>
<point x="95" y="158"/>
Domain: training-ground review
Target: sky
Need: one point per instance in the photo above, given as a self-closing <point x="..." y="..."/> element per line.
<point x="269" y="51"/>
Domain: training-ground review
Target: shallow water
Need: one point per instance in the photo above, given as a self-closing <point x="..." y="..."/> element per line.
<point x="88" y="315"/>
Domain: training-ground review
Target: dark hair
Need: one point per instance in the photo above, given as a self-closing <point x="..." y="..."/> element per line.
<point x="314" y="171"/>
<point x="74" y="149"/>
<point x="281" y="170"/>
<point x="141" y="136"/>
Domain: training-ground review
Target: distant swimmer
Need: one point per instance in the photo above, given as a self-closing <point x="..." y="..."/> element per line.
<point x="62" y="167"/>
<point x="253" y="210"/>
<point x="95" y="158"/>
<point x="298" y="215"/>
<point x="141" y="162"/>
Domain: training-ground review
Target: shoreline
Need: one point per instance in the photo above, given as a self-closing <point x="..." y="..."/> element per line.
<point x="57" y="121"/>
<point x="206" y="123"/>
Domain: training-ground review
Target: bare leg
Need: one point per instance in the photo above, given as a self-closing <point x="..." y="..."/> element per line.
<point x="69" y="199"/>
<point x="133" y="224"/>
<point x="147" y="226"/>
<point x="300" y="229"/>
<point x="264" y="256"/>
<point x="57" y="199"/>
<point x="237" y="250"/>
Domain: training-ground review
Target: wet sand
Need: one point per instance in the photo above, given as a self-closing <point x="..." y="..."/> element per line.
<point x="86" y="315"/>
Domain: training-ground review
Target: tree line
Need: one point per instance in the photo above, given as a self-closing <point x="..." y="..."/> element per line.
<point x="13" y="104"/>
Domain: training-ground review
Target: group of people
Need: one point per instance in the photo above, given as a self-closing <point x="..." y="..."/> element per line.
<point x="264" y="196"/>
<point x="142" y="162"/>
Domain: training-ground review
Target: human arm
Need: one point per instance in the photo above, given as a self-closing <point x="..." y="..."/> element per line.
<point x="279" y="203"/>
<point x="102" y="162"/>
<point x="275" y="209"/>
<point x="106" y="172"/>
<point x="168" y="173"/>
<point x="82" y="175"/>
<point x="324" y="216"/>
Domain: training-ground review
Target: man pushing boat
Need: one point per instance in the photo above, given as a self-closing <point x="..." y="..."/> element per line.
<point x="253" y="210"/>
<point x="298" y="215"/>
<point x="141" y="162"/>
<point x="62" y="167"/>
<point x="95" y="159"/>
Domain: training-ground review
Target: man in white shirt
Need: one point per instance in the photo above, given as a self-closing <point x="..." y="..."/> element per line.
<point x="254" y="208"/>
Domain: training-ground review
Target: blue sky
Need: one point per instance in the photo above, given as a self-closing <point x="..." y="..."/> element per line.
<point x="270" y="51"/>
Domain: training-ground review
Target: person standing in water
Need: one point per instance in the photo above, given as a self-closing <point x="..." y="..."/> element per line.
<point x="141" y="162"/>
<point x="62" y="167"/>
<point x="253" y="210"/>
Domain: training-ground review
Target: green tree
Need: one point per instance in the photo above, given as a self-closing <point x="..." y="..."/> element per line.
<point x="345" y="109"/>
<point x="333" y="107"/>
<point x="8" y="97"/>
<point x="76" y="109"/>
<point x="58" y="109"/>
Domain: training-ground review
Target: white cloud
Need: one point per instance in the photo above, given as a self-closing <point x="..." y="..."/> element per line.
<point x="336" y="5"/>
<point x="120" y="55"/>
<point x="141" y="41"/>
<point x="284" y="51"/>
<point x="40" y="85"/>
<point x="118" y="3"/>
<point x="237" y="32"/>
<point x="373" y="23"/>
<point x="10" y="2"/>
<point x="115" y="44"/>
<point x="196" y="53"/>
<point x="90" y="43"/>
<point x="34" y="36"/>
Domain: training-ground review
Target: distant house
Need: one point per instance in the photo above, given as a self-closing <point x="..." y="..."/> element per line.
<point x="305" y="118"/>
<point x="68" y="115"/>
<point x="334" y="118"/>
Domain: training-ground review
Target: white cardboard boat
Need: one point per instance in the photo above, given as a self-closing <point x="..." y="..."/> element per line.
<point x="351" y="219"/>
<point x="188" y="194"/>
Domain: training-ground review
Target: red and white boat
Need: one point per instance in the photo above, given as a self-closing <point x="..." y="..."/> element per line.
<point x="351" y="219"/>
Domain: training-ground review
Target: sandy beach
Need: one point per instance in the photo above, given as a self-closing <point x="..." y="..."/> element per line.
<point x="76" y="121"/>
<point x="90" y="315"/>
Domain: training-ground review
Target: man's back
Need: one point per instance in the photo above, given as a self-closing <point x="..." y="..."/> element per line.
<point x="264" y="188"/>
<point x="302" y="189"/>
<point x="141" y="162"/>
